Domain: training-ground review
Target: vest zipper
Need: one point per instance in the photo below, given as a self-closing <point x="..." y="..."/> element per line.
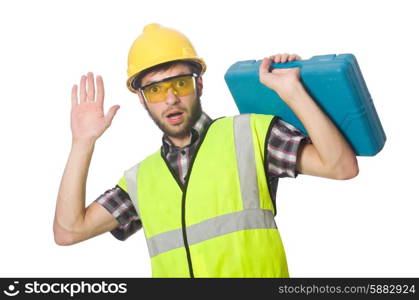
<point x="185" y="238"/>
<point x="184" y="189"/>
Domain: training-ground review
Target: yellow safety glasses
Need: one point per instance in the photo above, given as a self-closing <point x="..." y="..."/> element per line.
<point x="181" y="85"/>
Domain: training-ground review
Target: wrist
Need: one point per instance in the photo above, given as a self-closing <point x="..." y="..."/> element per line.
<point x="294" y="92"/>
<point x="83" y="142"/>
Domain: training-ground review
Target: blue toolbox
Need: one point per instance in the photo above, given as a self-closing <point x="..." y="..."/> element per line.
<point x="334" y="81"/>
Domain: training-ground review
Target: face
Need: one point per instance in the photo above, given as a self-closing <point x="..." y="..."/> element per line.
<point x="176" y="115"/>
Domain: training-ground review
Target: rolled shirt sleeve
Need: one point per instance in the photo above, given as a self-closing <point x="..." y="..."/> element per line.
<point x="284" y="141"/>
<point x="117" y="202"/>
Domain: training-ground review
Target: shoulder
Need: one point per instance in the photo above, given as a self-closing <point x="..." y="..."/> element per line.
<point x="151" y="157"/>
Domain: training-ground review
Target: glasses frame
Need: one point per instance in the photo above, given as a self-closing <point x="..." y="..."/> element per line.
<point x="141" y="89"/>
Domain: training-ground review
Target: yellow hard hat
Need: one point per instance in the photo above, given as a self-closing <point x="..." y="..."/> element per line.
<point x="157" y="45"/>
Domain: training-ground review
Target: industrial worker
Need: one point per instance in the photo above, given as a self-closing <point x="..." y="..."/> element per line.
<point x="206" y="198"/>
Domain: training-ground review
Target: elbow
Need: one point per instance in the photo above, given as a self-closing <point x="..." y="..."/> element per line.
<point x="347" y="170"/>
<point x="62" y="237"/>
<point x="347" y="174"/>
<point x="63" y="240"/>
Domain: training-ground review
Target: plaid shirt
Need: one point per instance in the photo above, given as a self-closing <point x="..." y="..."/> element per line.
<point x="283" y="143"/>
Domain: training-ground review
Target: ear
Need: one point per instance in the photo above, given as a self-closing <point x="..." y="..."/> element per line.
<point x="200" y="85"/>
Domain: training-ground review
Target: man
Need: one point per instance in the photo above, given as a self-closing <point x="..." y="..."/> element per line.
<point x="206" y="199"/>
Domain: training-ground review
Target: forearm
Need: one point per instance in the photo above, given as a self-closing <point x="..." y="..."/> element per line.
<point x="70" y="206"/>
<point x="333" y="150"/>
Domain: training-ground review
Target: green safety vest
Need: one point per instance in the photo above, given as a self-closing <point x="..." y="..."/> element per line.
<point x="220" y="223"/>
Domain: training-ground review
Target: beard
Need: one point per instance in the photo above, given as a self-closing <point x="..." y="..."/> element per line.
<point x="184" y="129"/>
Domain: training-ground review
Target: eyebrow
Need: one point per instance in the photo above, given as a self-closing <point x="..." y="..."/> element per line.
<point x="151" y="82"/>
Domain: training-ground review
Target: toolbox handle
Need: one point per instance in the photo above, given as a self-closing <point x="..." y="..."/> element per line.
<point x="299" y="64"/>
<point x="290" y="64"/>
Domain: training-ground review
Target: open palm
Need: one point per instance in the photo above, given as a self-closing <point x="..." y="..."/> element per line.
<point x="88" y="121"/>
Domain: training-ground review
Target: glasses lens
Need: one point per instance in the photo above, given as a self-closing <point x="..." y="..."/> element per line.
<point x="181" y="86"/>
<point x="184" y="85"/>
<point x="156" y="92"/>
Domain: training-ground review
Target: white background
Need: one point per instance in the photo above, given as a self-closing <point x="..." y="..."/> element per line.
<point x="364" y="227"/>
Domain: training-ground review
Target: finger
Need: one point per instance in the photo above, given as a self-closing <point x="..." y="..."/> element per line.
<point x="82" y="92"/>
<point x="276" y="58"/>
<point x="74" y="95"/>
<point x="297" y="57"/>
<point x="111" y="113"/>
<point x="90" y="87"/>
<point x="100" y="96"/>
<point x="292" y="57"/>
<point x="284" y="57"/>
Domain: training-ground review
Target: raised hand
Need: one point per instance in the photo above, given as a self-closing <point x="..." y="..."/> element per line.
<point x="88" y="121"/>
<point x="283" y="81"/>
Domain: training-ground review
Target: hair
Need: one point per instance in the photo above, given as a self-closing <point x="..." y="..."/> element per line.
<point x="193" y="67"/>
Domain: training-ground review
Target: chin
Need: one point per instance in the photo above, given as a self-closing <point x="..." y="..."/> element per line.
<point x="177" y="133"/>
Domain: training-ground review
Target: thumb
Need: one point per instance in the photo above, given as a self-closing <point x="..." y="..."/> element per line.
<point x="111" y="113"/>
<point x="264" y="66"/>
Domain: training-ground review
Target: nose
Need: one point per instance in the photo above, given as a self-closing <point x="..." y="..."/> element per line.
<point x="171" y="97"/>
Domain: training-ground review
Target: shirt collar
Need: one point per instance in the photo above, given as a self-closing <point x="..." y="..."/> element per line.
<point x="196" y="132"/>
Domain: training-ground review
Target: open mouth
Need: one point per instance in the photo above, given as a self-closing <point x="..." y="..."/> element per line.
<point x="175" y="117"/>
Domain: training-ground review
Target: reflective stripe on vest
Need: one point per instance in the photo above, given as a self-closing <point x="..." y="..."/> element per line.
<point x="131" y="180"/>
<point x="246" y="162"/>
<point x="210" y="228"/>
